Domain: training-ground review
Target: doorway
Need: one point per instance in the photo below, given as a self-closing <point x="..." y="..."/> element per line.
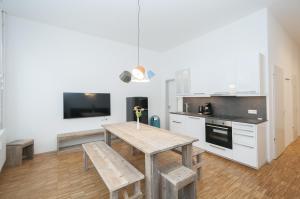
<point x="289" y="110"/>
<point x="284" y="110"/>
<point x="171" y="100"/>
<point x="279" y="113"/>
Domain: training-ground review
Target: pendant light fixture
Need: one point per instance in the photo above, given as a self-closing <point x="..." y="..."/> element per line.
<point x="138" y="74"/>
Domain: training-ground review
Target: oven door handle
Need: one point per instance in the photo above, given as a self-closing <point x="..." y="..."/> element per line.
<point x="217" y="127"/>
<point x="217" y="147"/>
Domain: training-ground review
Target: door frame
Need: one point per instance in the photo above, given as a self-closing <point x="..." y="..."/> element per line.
<point x="276" y="71"/>
<point x="167" y="115"/>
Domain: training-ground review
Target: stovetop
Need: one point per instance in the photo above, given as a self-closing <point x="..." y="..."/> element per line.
<point x="224" y="117"/>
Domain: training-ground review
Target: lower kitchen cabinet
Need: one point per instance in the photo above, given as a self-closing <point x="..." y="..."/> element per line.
<point x="249" y="144"/>
<point x="189" y="125"/>
<point x="195" y="127"/>
<point x="218" y="150"/>
<point x="248" y="140"/>
<point x="178" y="123"/>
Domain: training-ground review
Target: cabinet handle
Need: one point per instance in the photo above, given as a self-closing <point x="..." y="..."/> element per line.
<point x="196" y="118"/>
<point x="176" y="122"/>
<point x="247" y="125"/>
<point x="243" y="130"/>
<point x="217" y="147"/>
<point x="199" y="93"/>
<point x="251" y="147"/>
<point x="252" y="136"/>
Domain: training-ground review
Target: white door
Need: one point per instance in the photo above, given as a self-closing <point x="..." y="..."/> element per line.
<point x="296" y="101"/>
<point x="288" y="111"/>
<point x="279" y="114"/>
<point x="171" y="100"/>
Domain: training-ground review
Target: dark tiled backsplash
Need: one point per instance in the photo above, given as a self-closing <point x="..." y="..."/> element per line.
<point x="231" y="106"/>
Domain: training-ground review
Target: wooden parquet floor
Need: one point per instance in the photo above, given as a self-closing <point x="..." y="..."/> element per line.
<point x="61" y="176"/>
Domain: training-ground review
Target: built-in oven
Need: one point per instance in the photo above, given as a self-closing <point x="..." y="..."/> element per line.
<point x="219" y="132"/>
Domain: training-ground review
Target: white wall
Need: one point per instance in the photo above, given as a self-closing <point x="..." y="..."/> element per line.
<point x="44" y="61"/>
<point x="284" y="53"/>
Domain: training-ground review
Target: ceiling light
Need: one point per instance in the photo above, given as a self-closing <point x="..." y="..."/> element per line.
<point x="138" y="74"/>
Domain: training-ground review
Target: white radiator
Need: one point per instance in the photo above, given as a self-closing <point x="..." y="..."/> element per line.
<point x="2" y="148"/>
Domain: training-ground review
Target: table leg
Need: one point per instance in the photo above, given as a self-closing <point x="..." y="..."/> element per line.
<point x="151" y="177"/>
<point x="187" y="156"/>
<point x="187" y="160"/>
<point x="107" y="137"/>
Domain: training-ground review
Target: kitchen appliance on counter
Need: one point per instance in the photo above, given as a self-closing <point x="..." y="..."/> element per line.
<point x="207" y="109"/>
<point x="200" y="110"/>
<point x="218" y="132"/>
<point x="131" y="102"/>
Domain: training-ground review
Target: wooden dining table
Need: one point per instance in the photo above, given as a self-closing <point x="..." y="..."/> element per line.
<point x="151" y="141"/>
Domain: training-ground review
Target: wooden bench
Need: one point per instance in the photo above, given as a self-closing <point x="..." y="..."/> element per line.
<point x="63" y="138"/>
<point x="197" y="159"/>
<point x="19" y="150"/>
<point x="114" y="170"/>
<point x="176" y="182"/>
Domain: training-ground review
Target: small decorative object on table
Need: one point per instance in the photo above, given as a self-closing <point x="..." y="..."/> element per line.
<point x="138" y="112"/>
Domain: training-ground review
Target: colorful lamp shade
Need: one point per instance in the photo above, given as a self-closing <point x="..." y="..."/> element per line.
<point x="138" y="72"/>
<point x="125" y="76"/>
<point x="151" y="74"/>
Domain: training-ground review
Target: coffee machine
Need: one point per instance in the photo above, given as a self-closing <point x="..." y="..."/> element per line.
<point x="207" y="109"/>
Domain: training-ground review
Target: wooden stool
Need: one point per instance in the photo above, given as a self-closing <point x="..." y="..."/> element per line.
<point x="197" y="159"/>
<point x="175" y="180"/>
<point x="18" y="150"/>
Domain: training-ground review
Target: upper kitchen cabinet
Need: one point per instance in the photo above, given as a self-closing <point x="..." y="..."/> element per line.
<point x="239" y="74"/>
<point x="250" y="74"/>
<point x="213" y="76"/>
<point x="183" y="82"/>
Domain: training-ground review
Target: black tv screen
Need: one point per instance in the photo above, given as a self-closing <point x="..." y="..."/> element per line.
<point x="79" y="105"/>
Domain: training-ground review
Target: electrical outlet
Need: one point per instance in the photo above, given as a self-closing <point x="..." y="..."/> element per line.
<point x="253" y="112"/>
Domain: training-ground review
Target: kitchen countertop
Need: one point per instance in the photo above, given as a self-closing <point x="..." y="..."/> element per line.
<point x="228" y="118"/>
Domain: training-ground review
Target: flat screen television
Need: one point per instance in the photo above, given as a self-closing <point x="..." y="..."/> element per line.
<point x="80" y="105"/>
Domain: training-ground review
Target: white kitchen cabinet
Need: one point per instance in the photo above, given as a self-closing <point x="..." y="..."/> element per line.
<point x="249" y="144"/>
<point x="183" y="82"/>
<point x="218" y="150"/>
<point x="190" y="126"/>
<point x="242" y="75"/>
<point x="178" y="123"/>
<point x="250" y="75"/>
<point x="195" y="127"/>
<point x="201" y="82"/>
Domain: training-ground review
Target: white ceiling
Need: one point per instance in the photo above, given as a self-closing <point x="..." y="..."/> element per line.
<point x="165" y="23"/>
<point x="288" y="13"/>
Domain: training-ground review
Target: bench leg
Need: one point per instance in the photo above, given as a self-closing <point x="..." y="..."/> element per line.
<point x="137" y="193"/>
<point x="85" y="161"/>
<point x="107" y="137"/>
<point x="191" y="190"/>
<point x="167" y="190"/>
<point x="28" y="152"/>
<point x="114" y="195"/>
<point x="198" y="161"/>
